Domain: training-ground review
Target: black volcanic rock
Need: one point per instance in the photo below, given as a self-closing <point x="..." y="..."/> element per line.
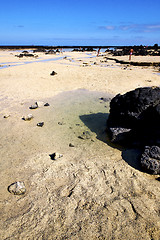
<point x="39" y="50"/>
<point x="53" y="73"/>
<point x="51" y="51"/>
<point x="136" y="114"/>
<point x="135" y="119"/>
<point x="150" y="159"/>
<point x="25" y="55"/>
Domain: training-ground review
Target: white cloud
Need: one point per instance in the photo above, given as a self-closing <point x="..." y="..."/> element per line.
<point x="154" y="26"/>
<point x="108" y="27"/>
<point x="133" y="27"/>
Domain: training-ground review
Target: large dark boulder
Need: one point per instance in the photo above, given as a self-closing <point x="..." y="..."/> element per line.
<point x="135" y="117"/>
<point x="150" y="159"/>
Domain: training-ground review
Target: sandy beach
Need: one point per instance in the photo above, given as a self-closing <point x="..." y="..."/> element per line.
<point x="95" y="190"/>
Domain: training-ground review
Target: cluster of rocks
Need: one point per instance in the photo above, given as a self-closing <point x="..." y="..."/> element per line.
<point x="46" y="51"/>
<point x="18" y="188"/>
<point x="26" y="54"/>
<point x="50" y="52"/>
<point x="83" y="49"/>
<point x="134" y="119"/>
<point x="42" y="50"/>
<point x="137" y="51"/>
<point x="35" y="106"/>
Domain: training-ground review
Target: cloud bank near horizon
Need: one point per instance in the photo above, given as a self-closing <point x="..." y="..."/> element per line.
<point x="133" y="27"/>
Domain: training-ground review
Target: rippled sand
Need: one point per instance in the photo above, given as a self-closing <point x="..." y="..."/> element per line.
<point x="96" y="190"/>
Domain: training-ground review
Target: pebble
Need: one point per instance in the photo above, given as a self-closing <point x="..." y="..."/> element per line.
<point x="55" y="156"/>
<point x="46" y="104"/>
<point x="71" y="145"/>
<point x="34" y="106"/>
<point x="40" y="124"/>
<point x="61" y="123"/>
<point x="17" y="188"/>
<point x="6" y="116"/>
<point x="28" y="117"/>
<point x="85" y="135"/>
<point x="53" y="73"/>
<point x="104" y="99"/>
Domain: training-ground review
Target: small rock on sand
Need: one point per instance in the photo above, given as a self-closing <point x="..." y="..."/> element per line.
<point x="71" y="145"/>
<point x="28" y="117"/>
<point x="6" y="116"/>
<point x="55" y="156"/>
<point x="34" y="106"/>
<point x="46" y="104"/>
<point x="40" y="124"/>
<point x="17" y="188"/>
<point x="53" y="73"/>
<point x="85" y="135"/>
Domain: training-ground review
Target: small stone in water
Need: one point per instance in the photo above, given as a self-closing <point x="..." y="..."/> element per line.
<point x="17" y="188"/>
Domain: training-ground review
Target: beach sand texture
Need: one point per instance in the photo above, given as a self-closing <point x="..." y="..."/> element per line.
<point x="95" y="190"/>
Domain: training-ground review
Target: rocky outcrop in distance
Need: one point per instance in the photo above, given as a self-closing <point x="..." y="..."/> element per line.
<point x="137" y="50"/>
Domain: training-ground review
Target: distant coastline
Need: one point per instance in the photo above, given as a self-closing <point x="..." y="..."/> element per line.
<point x="74" y="46"/>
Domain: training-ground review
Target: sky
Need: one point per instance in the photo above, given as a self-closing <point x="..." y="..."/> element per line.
<point x="80" y="22"/>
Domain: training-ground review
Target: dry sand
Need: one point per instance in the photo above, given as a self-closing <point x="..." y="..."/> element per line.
<point x="96" y="190"/>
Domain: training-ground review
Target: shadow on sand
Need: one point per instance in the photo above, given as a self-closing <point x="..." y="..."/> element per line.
<point x="97" y="124"/>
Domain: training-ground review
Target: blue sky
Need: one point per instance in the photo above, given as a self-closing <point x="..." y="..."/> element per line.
<point x="83" y="22"/>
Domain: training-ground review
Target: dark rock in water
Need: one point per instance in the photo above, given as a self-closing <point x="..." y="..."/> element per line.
<point x="53" y="73"/>
<point x="135" y="116"/>
<point x="150" y="159"/>
<point x="17" y="188"/>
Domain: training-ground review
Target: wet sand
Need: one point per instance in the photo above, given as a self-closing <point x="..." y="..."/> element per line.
<point x="96" y="190"/>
